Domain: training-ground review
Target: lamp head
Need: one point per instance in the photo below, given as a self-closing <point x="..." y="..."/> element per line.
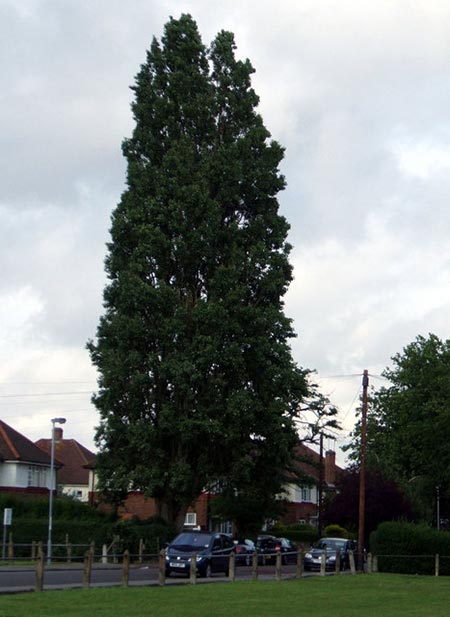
<point x="58" y="420"/>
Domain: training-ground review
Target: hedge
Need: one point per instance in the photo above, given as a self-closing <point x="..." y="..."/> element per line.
<point x="81" y="524"/>
<point x="410" y="549"/>
<point x="298" y="533"/>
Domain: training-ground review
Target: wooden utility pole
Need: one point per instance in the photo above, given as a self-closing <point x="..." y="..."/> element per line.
<point x="362" y="472"/>
<point x="320" y="487"/>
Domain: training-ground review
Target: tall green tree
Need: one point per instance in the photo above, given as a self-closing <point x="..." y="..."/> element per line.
<point x="408" y="429"/>
<point x="197" y="381"/>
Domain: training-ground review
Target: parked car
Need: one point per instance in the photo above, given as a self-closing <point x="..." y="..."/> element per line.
<point x="313" y="558"/>
<point x="269" y="546"/>
<point x="212" y="552"/>
<point x="244" y="551"/>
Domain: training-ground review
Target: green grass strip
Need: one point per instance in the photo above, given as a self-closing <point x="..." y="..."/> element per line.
<point x="387" y="595"/>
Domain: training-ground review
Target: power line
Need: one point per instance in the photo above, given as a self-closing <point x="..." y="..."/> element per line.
<point x="41" y="383"/>
<point x="46" y="394"/>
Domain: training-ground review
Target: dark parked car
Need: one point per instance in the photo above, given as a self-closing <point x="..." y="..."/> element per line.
<point x="313" y="558"/>
<point x="212" y="552"/>
<point x="244" y="551"/>
<point x="269" y="546"/>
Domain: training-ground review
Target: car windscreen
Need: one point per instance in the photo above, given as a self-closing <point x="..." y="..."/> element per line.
<point x="332" y="545"/>
<point x="191" y="541"/>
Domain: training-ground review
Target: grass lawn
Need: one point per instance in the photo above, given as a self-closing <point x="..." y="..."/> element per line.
<point x="344" y="596"/>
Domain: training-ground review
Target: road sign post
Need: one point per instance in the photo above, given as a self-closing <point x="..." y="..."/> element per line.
<point x="7" y="520"/>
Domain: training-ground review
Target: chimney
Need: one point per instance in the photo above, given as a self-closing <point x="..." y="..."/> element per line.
<point x="58" y="433"/>
<point x="330" y="467"/>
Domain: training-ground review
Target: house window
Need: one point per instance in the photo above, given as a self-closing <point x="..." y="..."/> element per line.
<point x="306" y="493"/>
<point x="226" y="527"/>
<point x="302" y="494"/>
<point x="190" y="519"/>
<point x="36" y="476"/>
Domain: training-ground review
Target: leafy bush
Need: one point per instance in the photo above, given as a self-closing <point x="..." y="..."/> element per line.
<point x="335" y="531"/>
<point x="79" y="524"/>
<point x="410" y="549"/>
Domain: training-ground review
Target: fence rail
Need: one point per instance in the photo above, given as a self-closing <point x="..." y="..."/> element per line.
<point x="157" y="565"/>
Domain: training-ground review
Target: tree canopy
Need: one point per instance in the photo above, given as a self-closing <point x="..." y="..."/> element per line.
<point x="408" y="427"/>
<point x="197" y="383"/>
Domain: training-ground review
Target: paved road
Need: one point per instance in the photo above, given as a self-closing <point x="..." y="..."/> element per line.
<point x="23" y="578"/>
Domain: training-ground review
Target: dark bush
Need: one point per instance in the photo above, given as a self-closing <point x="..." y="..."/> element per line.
<point x="80" y="525"/>
<point x="298" y="533"/>
<point x="410" y="549"/>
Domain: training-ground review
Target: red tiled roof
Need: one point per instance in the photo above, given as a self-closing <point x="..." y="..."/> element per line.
<point x="307" y="461"/>
<point x="73" y="455"/>
<point x="16" y="447"/>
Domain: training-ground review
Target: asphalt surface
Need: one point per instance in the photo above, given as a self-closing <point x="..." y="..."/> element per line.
<point x="17" y="579"/>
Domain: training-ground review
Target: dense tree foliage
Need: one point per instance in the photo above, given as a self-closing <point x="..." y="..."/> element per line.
<point x="197" y="382"/>
<point x="408" y="425"/>
<point x="385" y="501"/>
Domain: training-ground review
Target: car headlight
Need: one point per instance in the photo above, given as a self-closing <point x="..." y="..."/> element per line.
<point x="332" y="558"/>
<point x="308" y="556"/>
<point x="199" y="558"/>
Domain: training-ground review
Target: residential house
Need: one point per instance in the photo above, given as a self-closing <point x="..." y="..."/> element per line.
<point x="24" y="468"/>
<point x="302" y="497"/>
<point x="73" y="477"/>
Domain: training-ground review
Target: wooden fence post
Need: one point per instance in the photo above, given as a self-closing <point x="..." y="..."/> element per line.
<point x="10" y="546"/>
<point x="278" y="567"/>
<point x="369" y="563"/>
<point x="300" y="556"/>
<point x="436" y="565"/>
<point x="162" y="568"/>
<point x="323" y="563"/>
<point x="351" y="558"/>
<point x="40" y="570"/>
<point x="92" y="549"/>
<point x="255" y="566"/>
<point x="125" y="568"/>
<point x="232" y="566"/>
<point x="87" y="569"/>
<point x="68" y="549"/>
<point x="141" y="549"/>
<point x="337" y="565"/>
<point x="193" y="572"/>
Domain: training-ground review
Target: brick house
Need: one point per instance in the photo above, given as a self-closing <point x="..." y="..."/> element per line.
<point x="73" y="477"/>
<point x="302" y="497"/>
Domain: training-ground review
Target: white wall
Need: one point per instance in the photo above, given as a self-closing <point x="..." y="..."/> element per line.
<point x="294" y="494"/>
<point x="15" y="474"/>
<point x="73" y="491"/>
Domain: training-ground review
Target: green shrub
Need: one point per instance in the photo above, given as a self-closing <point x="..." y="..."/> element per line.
<point x="79" y="524"/>
<point x="410" y="549"/>
<point x="335" y="531"/>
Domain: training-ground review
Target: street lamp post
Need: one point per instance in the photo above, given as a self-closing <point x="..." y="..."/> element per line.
<point x="50" y="501"/>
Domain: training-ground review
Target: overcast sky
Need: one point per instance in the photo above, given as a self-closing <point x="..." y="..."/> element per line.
<point x="358" y="92"/>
